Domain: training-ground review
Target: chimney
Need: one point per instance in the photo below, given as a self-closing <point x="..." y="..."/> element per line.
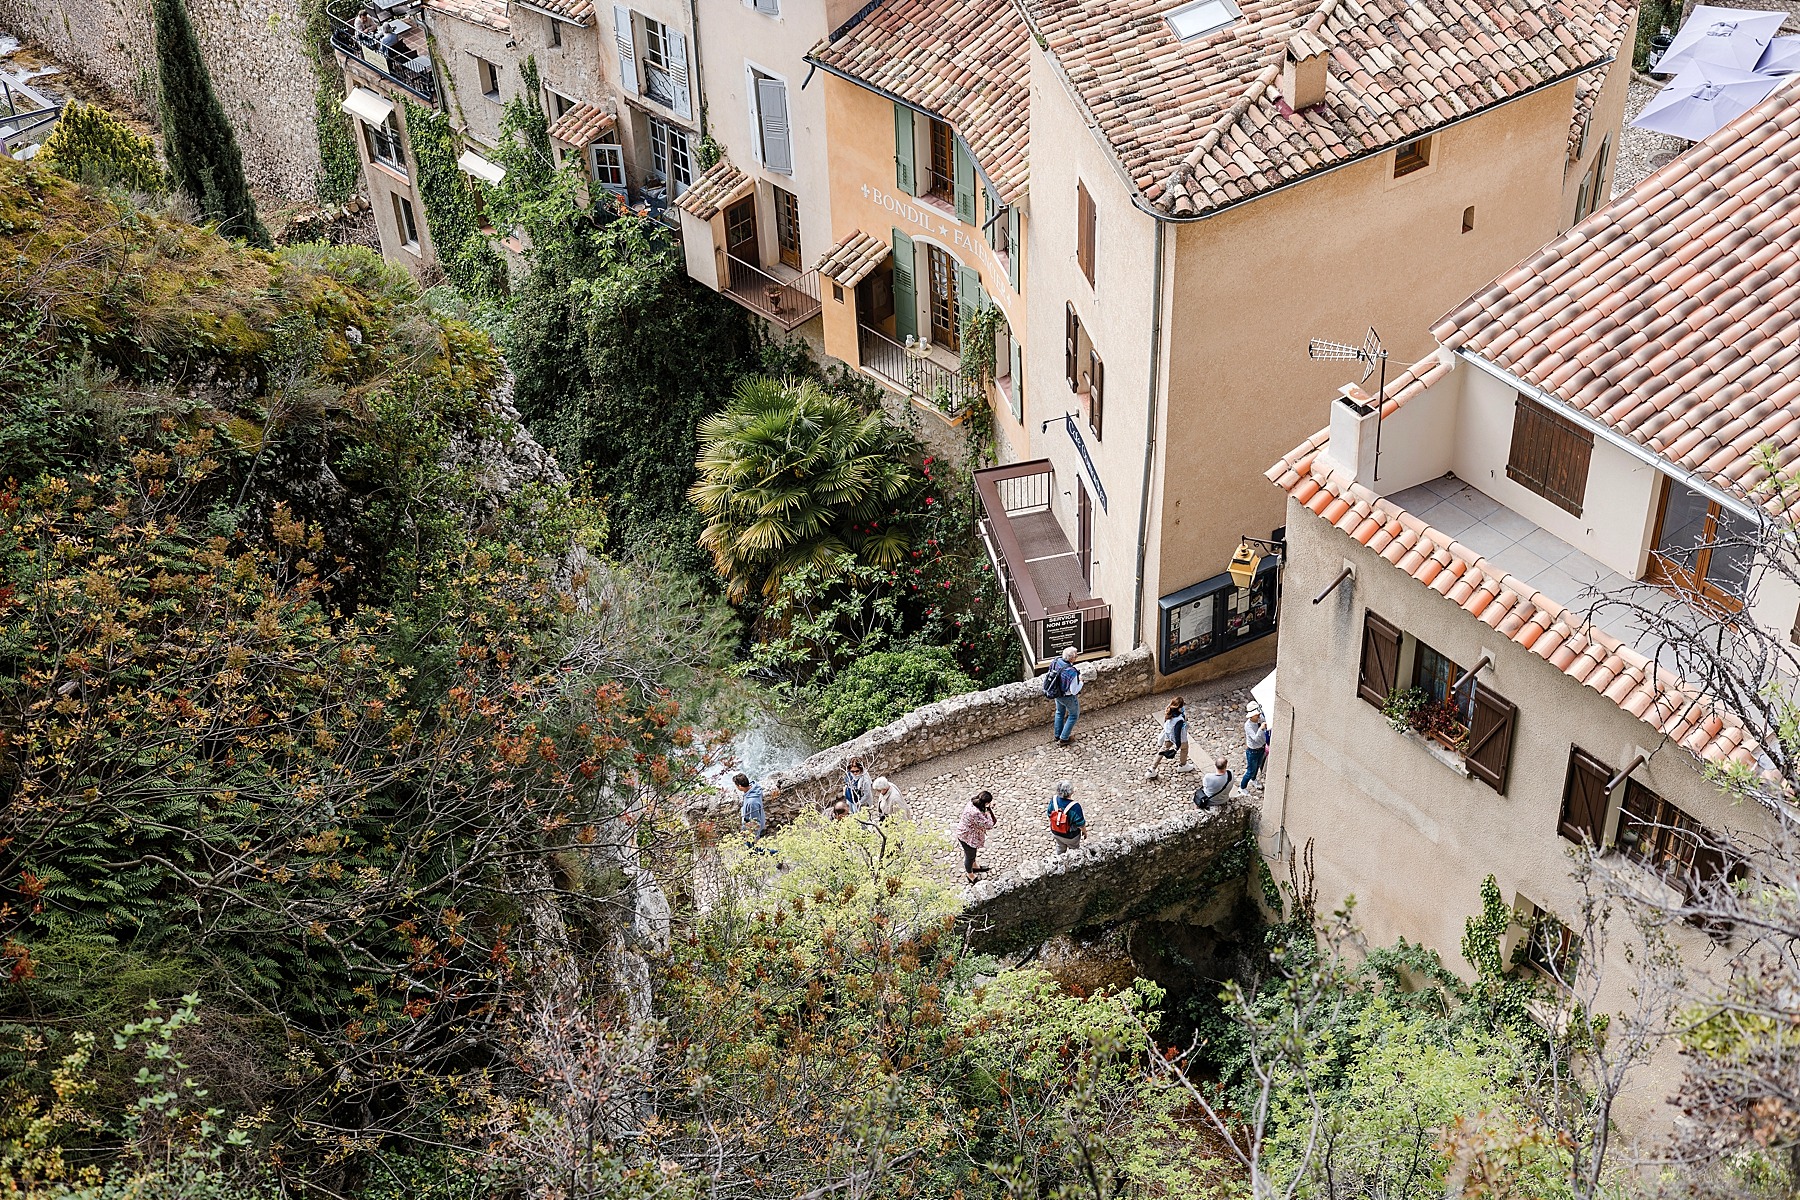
<point x="1352" y="444"/>
<point x="1304" y="69"/>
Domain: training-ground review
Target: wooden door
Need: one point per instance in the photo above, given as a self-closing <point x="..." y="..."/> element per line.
<point x="740" y="231"/>
<point x="1700" y="549"/>
<point x="1084" y="531"/>
<point x="943" y="298"/>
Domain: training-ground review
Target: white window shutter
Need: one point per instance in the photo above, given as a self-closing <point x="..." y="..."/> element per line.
<point x="628" y="74"/>
<point x="771" y="7"/>
<point x="755" y="115"/>
<point x="678" y="73"/>
<point x="777" y="144"/>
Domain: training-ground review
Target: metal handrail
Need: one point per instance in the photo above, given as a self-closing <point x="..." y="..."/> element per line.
<point x="351" y="42"/>
<point x="914" y="372"/>
<point x="787" y="302"/>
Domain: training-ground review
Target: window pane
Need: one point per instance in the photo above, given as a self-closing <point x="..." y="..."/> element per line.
<point x="1729" y="567"/>
<point x="1683" y="527"/>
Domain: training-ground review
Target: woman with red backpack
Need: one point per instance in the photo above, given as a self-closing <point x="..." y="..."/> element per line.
<point x="1068" y="824"/>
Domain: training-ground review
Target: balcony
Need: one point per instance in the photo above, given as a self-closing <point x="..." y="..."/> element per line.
<point x="789" y="303"/>
<point x="911" y="369"/>
<point x="381" y="39"/>
<point x="1046" y="596"/>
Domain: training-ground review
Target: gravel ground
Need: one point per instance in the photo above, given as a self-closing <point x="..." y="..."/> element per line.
<point x="1112" y="749"/>
<point x="1640" y="151"/>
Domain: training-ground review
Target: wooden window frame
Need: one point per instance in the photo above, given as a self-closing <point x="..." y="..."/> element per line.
<point x="1086" y="231"/>
<point x="941" y="162"/>
<point x="1096" y="405"/>
<point x="487" y="73"/>
<point x="1665" y="572"/>
<point x="940" y="283"/>
<point x="1557" y="964"/>
<point x="1668" y="841"/>
<point x="1412" y="157"/>
<point x="1550" y="455"/>
<point x="787" y="227"/>
<point x="406" y="221"/>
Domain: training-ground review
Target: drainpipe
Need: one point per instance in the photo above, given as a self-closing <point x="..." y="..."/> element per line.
<point x="1143" y="541"/>
<point x="699" y="64"/>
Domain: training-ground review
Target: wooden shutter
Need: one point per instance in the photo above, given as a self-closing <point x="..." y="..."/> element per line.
<point x="906" y="175"/>
<point x="1015" y="250"/>
<point x="628" y="76"/>
<point x="1490" y="738"/>
<point x="906" y="304"/>
<point x="1071" y="335"/>
<point x="1018" y="380"/>
<point x="678" y="72"/>
<point x="1084" y="231"/>
<point x="1380" y="668"/>
<point x="1096" y="392"/>
<point x="1549" y="455"/>
<point x="1583" y="816"/>
<point x="771" y="101"/>
<point x="969" y="299"/>
<point x="963" y="181"/>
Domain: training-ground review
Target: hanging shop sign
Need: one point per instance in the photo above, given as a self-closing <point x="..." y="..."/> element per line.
<point x="1087" y="460"/>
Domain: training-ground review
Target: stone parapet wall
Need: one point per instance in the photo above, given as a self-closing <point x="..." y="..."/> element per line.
<point x="1182" y="865"/>
<point x="955" y="724"/>
<point x="254" y="49"/>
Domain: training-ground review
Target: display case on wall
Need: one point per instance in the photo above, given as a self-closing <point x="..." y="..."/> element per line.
<point x="1215" y="615"/>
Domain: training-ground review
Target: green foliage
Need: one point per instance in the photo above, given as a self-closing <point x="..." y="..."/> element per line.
<point x="197" y="137"/>
<point x="879" y="687"/>
<point x="1653" y="15"/>
<point x="340" y="164"/>
<point x="90" y="145"/>
<point x="453" y="208"/>
<point x="791" y="474"/>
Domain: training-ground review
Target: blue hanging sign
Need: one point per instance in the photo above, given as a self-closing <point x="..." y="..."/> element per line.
<point x="1086" y="459"/>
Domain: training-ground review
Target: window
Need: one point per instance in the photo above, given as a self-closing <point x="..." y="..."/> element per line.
<point x="665" y="66"/>
<point x="1549" y="947"/>
<point x="769" y="120"/>
<point x="1096" y="393"/>
<point x="670" y="161"/>
<point x="1197" y="20"/>
<point x="607" y="160"/>
<point x="1549" y="454"/>
<point x="1702" y="549"/>
<point x="384" y="143"/>
<point x="942" y="182"/>
<point x="994" y="223"/>
<point x="1084" y="231"/>
<point x="787" y="227"/>
<point x="1412" y="156"/>
<point x="555" y="34"/>
<point x="1082" y="367"/>
<point x="1434" y="675"/>
<point x="1469" y="219"/>
<point x="1584" y="805"/>
<point x="557" y="104"/>
<point x="1668" y="840"/>
<point x="489" y="77"/>
<point x="771" y="8"/>
<point x="943" y="298"/>
<point x="1487" y="750"/>
<point x="1592" y="195"/>
<point x="403" y="220"/>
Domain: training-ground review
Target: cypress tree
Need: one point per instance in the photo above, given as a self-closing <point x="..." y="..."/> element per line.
<point x="197" y="140"/>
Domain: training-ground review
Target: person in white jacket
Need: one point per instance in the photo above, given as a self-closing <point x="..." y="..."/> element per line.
<point x="1173" y="743"/>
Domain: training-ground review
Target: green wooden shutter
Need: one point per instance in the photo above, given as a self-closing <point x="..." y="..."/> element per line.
<point x="965" y="184"/>
<point x="968" y="295"/>
<point x="1015" y="249"/>
<point x="1018" y="382"/>
<point x="906" y="304"/>
<point x="906" y="177"/>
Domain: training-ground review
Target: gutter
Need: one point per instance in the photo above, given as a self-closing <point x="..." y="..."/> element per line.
<point x="1143" y="541"/>
<point x="1608" y="434"/>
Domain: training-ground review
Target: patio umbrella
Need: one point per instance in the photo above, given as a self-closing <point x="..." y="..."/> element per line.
<point x="1782" y="57"/>
<point x="1728" y="37"/>
<point x="1703" y="99"/>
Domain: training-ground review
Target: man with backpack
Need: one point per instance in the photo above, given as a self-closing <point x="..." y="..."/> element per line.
<point x="1062" y="682"/>
<point x="1068" y="824"/>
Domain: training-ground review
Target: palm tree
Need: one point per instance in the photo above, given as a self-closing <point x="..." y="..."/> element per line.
<point x="791" y="474"/>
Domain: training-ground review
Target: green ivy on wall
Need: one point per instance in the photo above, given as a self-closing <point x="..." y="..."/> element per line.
<point x="340" y="166"/>
<point x="452" y="207"/>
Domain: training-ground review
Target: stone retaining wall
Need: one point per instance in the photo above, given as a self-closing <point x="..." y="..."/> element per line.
<point x="1183" y="864"/>
<point x="955" y="724"/>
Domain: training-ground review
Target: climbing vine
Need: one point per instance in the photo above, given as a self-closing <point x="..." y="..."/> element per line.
<point x="453" y="208"/>
<point x="340" y="166"/>
<point x="979" y="330"/>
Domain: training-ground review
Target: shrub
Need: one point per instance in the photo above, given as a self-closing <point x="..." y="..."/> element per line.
<point x="91" y="145"/>
<point x="881" y="687"/>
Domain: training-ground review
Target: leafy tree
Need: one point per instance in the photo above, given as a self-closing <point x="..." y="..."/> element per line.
<point x="197" y="137"/>
<point x="883" y="686"/>
<point x="91" y="145"/>
<point x="791" y="474"/>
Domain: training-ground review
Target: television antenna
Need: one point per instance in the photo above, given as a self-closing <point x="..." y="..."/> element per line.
<point x="1373" y="356"/>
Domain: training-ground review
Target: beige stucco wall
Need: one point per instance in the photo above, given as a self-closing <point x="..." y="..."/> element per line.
<point x="1392" y="825"/>
<point x="382" y="182"/>
<point x="1607" y="125"/>
<point x="1328" y="258"/>
<point x="634" y="111"/>
<point x="458" y="45"/>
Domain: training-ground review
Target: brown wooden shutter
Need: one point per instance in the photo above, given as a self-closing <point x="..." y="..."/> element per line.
<point x="1380" y="668"/>
<point x="1096" y="390"/>
<point x="1584" y="799"/>
<point x="1071" y="335"/>
<point x="1490" y="738"/>
<point x="1549" y="454"/>
<point x="1084" y="231"/>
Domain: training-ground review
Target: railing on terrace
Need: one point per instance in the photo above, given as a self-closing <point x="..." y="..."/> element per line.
<point x="1011" y="497"/>
<point x="385" y="53"/>
<point x="912" y="370"/>
<point x="787" y="302"/>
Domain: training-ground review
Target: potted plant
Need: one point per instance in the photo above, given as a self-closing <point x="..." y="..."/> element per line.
<point x="773" y="292"/>
<point x="1400" y="706"/>
<point x="1443" y="723"/>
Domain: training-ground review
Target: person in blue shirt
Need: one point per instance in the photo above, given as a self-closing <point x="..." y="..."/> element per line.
<point x="1067" y="693"/>
<point x="751" y="814"/>
<point x="1068" y="824"/>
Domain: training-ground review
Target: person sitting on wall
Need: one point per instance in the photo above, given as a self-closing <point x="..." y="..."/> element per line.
<point x="1213" y="784"/>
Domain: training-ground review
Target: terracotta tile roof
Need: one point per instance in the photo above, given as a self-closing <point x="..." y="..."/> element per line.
<point x="581" y="12"/>
<point x="1514" y="609"/>
<point x="1587" y="91"/>
<point x="1199" y="125"/>
<point x="850" y="261"/>
<point x="963" y="61"/>
<point x="1673" y="315"/>
<point x="488" y="13"/>
<point x="718" y="185"/>
<point x="582" y="124"/>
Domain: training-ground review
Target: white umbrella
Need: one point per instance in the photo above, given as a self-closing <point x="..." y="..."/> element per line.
<point x="1782" y="57"/>
<point x="1728" y="37"/>
<point x="1704" y="99"/>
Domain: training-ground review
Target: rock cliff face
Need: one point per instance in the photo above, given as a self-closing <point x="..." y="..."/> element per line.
<point x="255" y="50"/>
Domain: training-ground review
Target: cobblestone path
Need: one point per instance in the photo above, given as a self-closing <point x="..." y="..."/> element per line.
<point x="1112" y="749"/>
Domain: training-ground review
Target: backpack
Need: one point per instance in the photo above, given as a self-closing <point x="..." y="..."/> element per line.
<point x="851" y="794"/>
<point x="1053" y="681"/>
<point x="1059" y="818"/>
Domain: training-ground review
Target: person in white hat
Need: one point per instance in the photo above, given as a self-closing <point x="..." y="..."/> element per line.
<point x="1256" y="745"/>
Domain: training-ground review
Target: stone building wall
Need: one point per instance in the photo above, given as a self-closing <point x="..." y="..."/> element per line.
<point x="254" y="48"/>
<point x="952" y="725"/>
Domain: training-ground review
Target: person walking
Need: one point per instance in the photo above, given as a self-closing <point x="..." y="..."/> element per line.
<point x="1173" y="743"/>
<point x="858" y="785"/>
<point x="1256" y="746"/>
<point x="971" y="831"/>
<point x="752" y="817"/>
<point x="1068" y="824"/>
<point x="1213" y="784"/>
<point x="1063" y="681"/>
<point x="887" y="799"/>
